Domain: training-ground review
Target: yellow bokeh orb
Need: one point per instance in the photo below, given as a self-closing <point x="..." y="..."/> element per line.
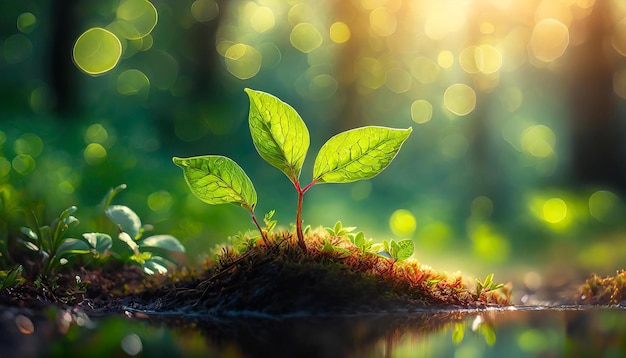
<point x="459" y="99"/>
<point x="402" y="223"/>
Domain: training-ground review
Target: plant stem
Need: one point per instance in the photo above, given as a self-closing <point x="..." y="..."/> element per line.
<point x="301" y="192"/>
<point x="267" y="243"/>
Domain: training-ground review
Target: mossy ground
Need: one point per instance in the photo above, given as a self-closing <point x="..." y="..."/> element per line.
<point x="281" y="278"/>
<point x="275" y="279"/>
<point x="610" y="290"/>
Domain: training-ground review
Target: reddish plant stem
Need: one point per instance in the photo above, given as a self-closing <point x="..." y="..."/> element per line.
<point x="267" y="243"/>
<point x="299" y="232"/>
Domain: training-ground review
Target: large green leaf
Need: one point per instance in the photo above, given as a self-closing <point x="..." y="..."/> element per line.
<point x="218" y="180"/>
<point x="358" y="154"/>
<point x="278" y="133"/>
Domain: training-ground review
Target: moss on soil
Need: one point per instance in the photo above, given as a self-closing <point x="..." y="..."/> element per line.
<point x="610" y="290"/>
<point x="276" y="279"/>
<point x="282" y="279"/>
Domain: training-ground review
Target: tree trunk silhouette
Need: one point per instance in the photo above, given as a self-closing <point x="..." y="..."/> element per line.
<point x="596" y="139"/>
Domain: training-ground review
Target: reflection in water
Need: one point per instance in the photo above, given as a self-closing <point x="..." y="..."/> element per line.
<point x="524" y="332"/>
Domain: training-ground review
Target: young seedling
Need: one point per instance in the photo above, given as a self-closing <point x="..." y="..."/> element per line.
<point x="282" y="139"/>
<point x="487" y="285"/>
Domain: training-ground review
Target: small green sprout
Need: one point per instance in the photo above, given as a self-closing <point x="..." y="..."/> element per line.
<point x="358" y="238"/>
<point x="397" y="251"/>
<point x="282" y="139"/>
<point x="49" y="242"/>
<point x="487" y="285"/>
<point x="270" y="224"/>
<point x="11" y="278"/>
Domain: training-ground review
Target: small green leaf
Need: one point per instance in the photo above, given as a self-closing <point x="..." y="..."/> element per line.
<point x="338" y="227"/>
<point x="278" y="133"/>
<point x="73" y="247"/>
<point x="327" y="248"/>
<point x="404" y="249"/>
<point x="108" y="198"/>
<point x="129" y="241"/>
<point x="359" y="239"/>
<point x="126" y="218"/>
<point x="165" y="242"/>
<point x="29" y="233"/>
<point x="12" y="277"/>
<point x="218" y="180"/>
<point x="98" y="241"/>
<point x="358" y="154"/>
<point x="154" y="265"/>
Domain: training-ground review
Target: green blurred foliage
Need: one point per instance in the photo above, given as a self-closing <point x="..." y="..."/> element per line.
<point x="516" y="151"/>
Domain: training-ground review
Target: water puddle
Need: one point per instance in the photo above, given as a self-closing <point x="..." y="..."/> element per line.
<point x="524" y="331"/>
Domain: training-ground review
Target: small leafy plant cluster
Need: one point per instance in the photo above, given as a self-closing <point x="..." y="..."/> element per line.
<point x="282" y="139"/>
<point x="391" y="249"/>
<point x="52" y="249"/>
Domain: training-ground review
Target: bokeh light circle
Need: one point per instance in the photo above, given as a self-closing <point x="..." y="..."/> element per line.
<point x="421" y="111"/>
<point x="549" y="40"/>
<point x="339" y="32"/>
<point x="402" y="223"/>
<point x="204" y="10"/>
<point x="554" y="210"/>
<point x="135" y="19"/>
<point x="305" y="37"/>
<point x="26" y="22"/>
<point x="132" y="82"/>
<point x="243" y="61"/>
<point x="601" y="204"/>
<point x="459" y="99"/>
<point x="97" y="51"/>
<point x="94" y="154"/>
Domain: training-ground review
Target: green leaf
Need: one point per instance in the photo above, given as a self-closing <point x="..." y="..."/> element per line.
<point x="29" y="233"/>
<point x="359" y="239"/>
<point x="358" y="154"/>
<point x="278" y="133"/>
<point x="108" y="198"/>
<point x="404" y="249"/>
<point x="165" y="242"/>
<point x="337" y="228"/>
<point x="155" y="264"/>
<point x="126" y="218"/>
<point x="73" y="247"/>
<point x="124" y="237"/>
<point x="98" y="241"/>
<point x="218" y="180"/>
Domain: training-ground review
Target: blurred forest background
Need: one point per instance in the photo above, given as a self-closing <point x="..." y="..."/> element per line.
<point x="518" y="110"/>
